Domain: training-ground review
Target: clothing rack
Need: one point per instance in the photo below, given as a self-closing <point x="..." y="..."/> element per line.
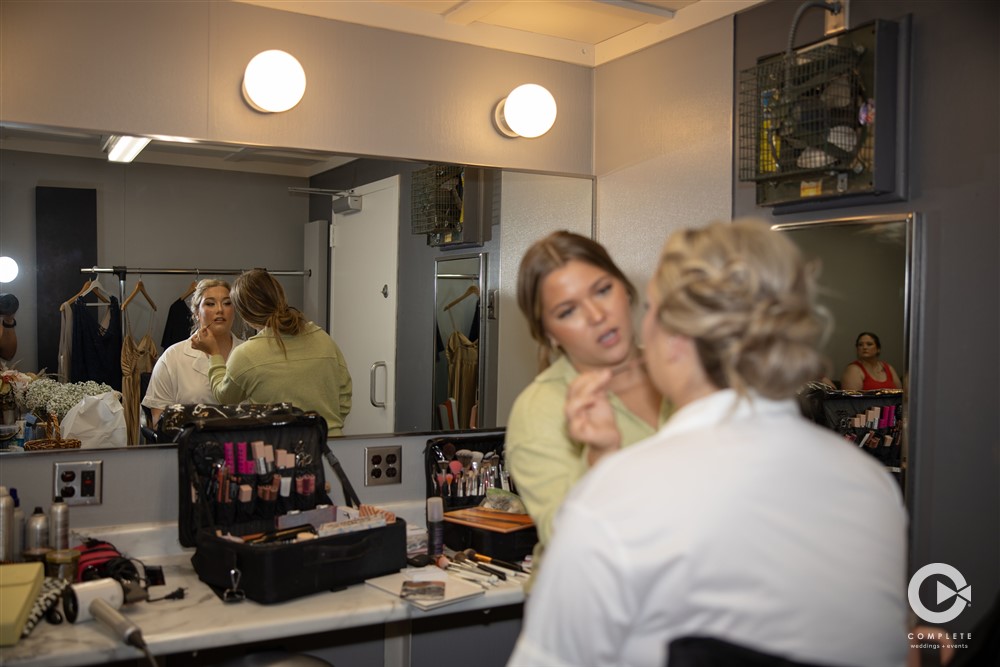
<point x="122" y="271"/>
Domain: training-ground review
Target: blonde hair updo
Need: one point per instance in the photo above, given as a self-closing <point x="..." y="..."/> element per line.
<point x="747" y="297"/>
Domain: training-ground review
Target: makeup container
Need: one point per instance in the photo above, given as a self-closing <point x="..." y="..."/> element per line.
<point x="36" y="533"/>
<point x="6" y="526"/>
<point x="59" y="525"/>
<point x="62" y="564"/>
<point x="18" y="526"/>
<point x="435" y="526"/>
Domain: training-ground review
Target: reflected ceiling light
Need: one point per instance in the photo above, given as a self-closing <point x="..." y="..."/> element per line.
<point x="529" y="111"/>
<point x="8" y="269"/>
<point x="274" y="81"/>
<point x="123" y="148"/>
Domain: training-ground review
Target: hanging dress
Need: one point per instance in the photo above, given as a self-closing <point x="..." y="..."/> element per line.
<point x="463" y="374"/>
<point x="136" y="359"/>
<point x="97" y="345"/>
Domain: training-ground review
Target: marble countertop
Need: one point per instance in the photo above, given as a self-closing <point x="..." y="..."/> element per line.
<point x="201" y="620"/>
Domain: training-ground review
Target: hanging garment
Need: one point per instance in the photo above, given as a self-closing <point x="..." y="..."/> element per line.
<point x="178" y="326"/>
<point x="463" y="374"/>
<point x="65" y="344"/>
<point x="97" y="346"/>
<point x="136" y="359"/>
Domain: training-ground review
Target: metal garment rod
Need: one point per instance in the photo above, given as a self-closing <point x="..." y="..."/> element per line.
<point x="122" y="271"/>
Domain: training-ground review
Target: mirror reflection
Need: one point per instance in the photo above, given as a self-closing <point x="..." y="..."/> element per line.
<point x="458" y="295"/>
<point x="212" y="211"/>
<point x="865" y="282"/>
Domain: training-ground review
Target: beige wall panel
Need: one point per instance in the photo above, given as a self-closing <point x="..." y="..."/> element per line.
<point x="664" y="142"/>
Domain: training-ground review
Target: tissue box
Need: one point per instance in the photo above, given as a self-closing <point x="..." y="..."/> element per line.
<point x="20" y="584"/>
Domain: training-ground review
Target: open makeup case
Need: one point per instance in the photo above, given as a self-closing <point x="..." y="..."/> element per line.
<point x="872" y="420"/>
<point x="461" y="470"/>
<point x="248" y="486"/>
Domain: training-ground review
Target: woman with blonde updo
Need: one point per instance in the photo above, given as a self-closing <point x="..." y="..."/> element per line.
<point x="739" y="521"/>
<point x="290" y="360"/>
<point x="181" y="373"/>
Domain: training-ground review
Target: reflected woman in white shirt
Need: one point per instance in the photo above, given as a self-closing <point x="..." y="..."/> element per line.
<point x="181" y="373"/>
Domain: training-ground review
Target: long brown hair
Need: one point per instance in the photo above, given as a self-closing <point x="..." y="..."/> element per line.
<point x="260" y="300"/>
<point x="545" y="256"/>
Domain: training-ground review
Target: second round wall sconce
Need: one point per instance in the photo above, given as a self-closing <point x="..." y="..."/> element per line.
<point x="273" y="82"/>
<point x="528" y="111"/>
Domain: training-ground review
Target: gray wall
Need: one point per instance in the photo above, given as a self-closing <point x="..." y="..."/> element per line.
<point x="954" y="170"/>
<point x="153" y="216"/>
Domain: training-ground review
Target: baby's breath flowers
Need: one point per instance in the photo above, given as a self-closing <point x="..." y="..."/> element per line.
<point x="45" y="396"/>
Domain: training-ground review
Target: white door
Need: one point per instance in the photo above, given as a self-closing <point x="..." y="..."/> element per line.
<point x="363" y="303"/>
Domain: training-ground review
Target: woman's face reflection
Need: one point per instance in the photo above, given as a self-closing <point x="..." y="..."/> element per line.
<point x="216" y="310"/>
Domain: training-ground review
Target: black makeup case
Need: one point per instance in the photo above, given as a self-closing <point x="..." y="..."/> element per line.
<point x="510" y="537"/>
<point x="272" y="571"/>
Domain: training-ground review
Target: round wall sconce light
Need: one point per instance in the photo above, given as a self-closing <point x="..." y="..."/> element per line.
<point x="273" y="82"/>
<point x="528" y="111"/>
<point x="8" y="269"/>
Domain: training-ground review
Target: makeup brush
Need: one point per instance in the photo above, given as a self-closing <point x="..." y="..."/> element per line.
<point x="471" y="553"/>
<point x="461" y="557"/>
<point x="448" y="449"/>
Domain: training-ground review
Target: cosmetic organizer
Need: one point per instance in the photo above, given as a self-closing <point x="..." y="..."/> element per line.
<point x="228" y="495"/>
<point x="504" y="536"/>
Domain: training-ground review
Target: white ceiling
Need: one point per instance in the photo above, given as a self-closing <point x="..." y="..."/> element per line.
<point x="583" y="32"/>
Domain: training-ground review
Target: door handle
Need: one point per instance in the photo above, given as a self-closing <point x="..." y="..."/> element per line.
<point x="371" y="384"/>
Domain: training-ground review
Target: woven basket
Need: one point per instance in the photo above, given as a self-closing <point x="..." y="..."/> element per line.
<point x="53" y="438"/>
<point x="51" y="443"/>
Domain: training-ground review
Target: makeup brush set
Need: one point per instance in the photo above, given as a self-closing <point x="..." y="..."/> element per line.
<point x="469" y="474"/>
<point x="255" y="503"/>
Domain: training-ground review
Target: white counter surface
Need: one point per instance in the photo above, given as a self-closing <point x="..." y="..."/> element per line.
<point x="201" y="620"/>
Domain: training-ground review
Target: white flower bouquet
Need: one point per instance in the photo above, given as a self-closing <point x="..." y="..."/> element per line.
<point x="45" y="396"/>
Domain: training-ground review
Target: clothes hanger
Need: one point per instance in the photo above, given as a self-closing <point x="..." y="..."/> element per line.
<point x="192" y="287"/>
<point x="139" y="288"/>
<point x="91" y="285"/>
<point x="473" y="289"/>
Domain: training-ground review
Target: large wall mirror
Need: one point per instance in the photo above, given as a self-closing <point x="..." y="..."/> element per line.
<point x="218" y="208"/>
<point x="868" y="281"/>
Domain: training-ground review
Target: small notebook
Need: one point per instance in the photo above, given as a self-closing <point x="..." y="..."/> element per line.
<point x="455" y="590"/>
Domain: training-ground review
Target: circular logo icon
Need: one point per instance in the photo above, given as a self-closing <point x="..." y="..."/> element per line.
<point x="959" y="589"/>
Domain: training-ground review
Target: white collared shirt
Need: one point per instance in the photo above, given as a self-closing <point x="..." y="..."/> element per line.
<point x="738" y="520"/>
<point x="180" y="376"/>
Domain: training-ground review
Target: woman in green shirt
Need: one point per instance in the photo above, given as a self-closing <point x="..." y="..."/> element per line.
<point x="290" y="360"/>
<point x="578" y="304"/>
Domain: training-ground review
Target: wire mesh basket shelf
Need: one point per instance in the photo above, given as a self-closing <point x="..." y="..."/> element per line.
<point x="805" y="113"/>
<point x="436" y="199"/>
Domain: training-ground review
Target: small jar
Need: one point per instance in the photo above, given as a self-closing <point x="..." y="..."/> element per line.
<point x="62" y="564"/>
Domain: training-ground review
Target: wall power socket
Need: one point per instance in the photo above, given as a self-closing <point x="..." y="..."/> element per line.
<point x="78" y="482"/>
<point x="383" y="465"/>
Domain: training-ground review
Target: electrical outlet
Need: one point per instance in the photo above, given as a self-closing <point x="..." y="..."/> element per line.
<point x="78" y="482"/>
<point x="383" y="465"/>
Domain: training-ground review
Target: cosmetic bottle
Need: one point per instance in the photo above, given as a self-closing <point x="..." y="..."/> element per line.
<point x="59" y="525"/>
<point x="36" y="534"/>
<point x="18" y="527"/>
<point x="6" y="526"/>
<point x="435" y="526"/>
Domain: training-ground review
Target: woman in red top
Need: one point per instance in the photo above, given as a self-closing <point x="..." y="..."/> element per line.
<point x="868" y="371"/>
